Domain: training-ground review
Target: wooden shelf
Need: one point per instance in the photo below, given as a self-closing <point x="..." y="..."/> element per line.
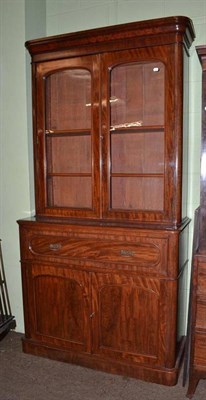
<point x="73" y="132"/>
<point x="125" y="175"/>
<point x="139" y="129"/>
<point x="64" y="175"/>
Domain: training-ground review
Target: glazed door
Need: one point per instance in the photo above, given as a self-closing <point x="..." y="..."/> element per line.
<point x="129" y="318"/>
<point x="58" y="306"/>
<point x="138" y="143"/>
<point x="67" y="138"/>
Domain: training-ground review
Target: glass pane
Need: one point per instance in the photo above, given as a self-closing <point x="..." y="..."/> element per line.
<point x="137" y="95"/>
<point x="69" y="154"/>
<point x="141" y="152"/>
<point x="68" y="100"/>
<point x="131" y="193"/>
<point x="68" y="138"/>
<point x="72" y="191"/>
<point x="137" y="98"/>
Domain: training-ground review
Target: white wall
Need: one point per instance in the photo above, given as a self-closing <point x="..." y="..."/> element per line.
<point x="21" y="20"/>
<point x="15" y="200"/>
<point x="15" y="159"/>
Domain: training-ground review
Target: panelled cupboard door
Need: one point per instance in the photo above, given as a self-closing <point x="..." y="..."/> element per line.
<point x="67" y="137"/>
<point x="59" y="306"/>
<point x="139" y="146"/>
<point x="128" y="318"/>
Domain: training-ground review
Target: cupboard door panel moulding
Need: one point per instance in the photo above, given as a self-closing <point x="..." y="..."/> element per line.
<point x="120" y="322"/>
<point x="102" y="258"/>
<point x="64" y="326"/>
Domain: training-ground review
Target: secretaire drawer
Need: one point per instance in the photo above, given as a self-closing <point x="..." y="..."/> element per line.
<point x="143" y="252"/>
<point x="147" y="253"/>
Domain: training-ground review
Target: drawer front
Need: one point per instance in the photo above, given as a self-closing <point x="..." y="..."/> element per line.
<point x="132" y="253"/>
<point x="141" y="253"/>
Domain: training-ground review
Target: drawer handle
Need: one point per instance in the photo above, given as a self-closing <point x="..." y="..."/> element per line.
<point x="55" y="246"/>
<point x="127" y="253"/>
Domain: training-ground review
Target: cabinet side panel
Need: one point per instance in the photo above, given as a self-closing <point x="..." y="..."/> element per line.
<point x="185" y="134"/>
<point x="183" y="284"/>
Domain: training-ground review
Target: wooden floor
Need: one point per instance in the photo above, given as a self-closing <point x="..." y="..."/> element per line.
<point x="26" y="377"/>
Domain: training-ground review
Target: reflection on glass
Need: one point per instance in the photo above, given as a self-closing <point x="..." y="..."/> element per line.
<point x="68" y="94"/>
<point x="68" y="138"/>
<point x="138" y="90"/>
<point x="137" y="136"/>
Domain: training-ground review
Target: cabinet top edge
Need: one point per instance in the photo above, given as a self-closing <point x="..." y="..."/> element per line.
<point x="177" y="24"/>
<point x="103" y="225"/>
